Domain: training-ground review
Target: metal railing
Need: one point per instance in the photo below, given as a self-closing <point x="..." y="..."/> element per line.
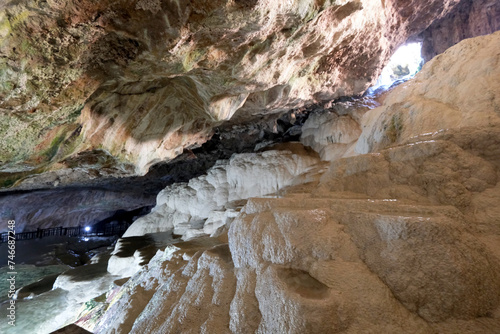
<point x="78" y="231"/>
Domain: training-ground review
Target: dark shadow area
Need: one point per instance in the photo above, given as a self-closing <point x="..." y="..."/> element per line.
<point x="147" y="245"/>
<point x="127" y="246"/>
<point x="71" y="329"/>
<point x="119" y="220"/>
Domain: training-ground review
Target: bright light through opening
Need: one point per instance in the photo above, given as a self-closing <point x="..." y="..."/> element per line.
<point x="403" y="65"/>
<point x="87" y="228"/>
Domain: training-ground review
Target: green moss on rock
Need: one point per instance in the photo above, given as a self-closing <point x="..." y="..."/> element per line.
<point x="395" y="128"/>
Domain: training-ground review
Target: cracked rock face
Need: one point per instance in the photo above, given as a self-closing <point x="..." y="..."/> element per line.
<point x="145" y="79"/>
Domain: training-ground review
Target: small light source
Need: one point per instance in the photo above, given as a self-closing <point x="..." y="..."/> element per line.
<point x="87" y="228"/>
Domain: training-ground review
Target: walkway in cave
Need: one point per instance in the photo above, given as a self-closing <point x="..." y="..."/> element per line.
<point x="79" y="231"/>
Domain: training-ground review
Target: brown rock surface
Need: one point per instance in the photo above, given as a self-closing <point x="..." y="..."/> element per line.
<point x="154" y="77"/>
<point x="468" y="19"/>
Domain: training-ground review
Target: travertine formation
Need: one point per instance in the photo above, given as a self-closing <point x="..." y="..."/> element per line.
<point x="206" y="201"/>
<point x="207" y="205"/>
<point x="398" y="236"/>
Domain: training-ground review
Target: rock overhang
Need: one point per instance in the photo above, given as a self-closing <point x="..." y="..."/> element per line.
<point x="147" y="79"/>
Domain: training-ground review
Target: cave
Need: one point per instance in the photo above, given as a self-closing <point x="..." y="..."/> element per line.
<point x="250" y="166"/>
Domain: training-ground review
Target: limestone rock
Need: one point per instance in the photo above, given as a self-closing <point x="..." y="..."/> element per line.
<point x="146" y="79"/>
<point x="331" y="140"/>
<point x="85" y="282"/>
<point x="465" y="93"/>
<point x="445" y="97"/>
<point x="204" y="202"/>
<point x="167" y="275"/>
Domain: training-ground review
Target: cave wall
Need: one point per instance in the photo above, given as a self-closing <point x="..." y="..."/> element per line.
<point x="146" y="79"/>
<point x="468" y="19"/>
<point x="66" y="207"/>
